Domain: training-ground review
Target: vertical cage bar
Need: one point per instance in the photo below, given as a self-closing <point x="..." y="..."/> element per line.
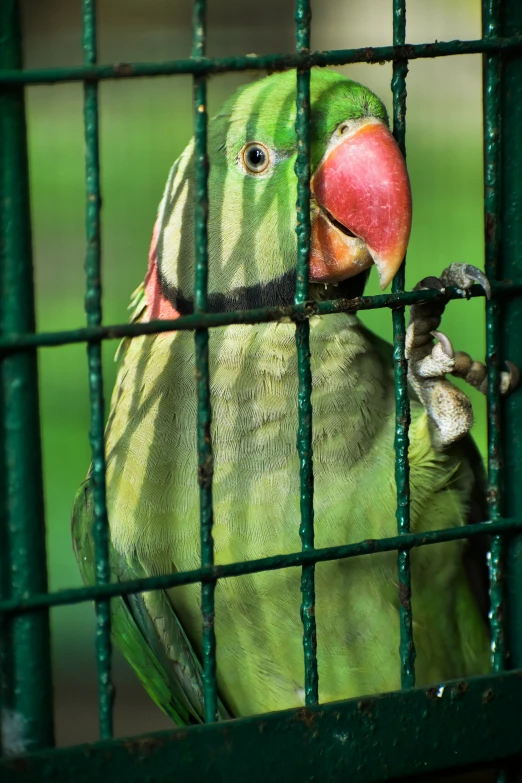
<point x="402" y="402"/>
<point x="302" y="335"/>
<point x="503" y="237"/>
<point x="204" y="414"/>
<point x="492" y="220"/>
<point x="28" y="698"/>
<point x="511" y="318"/>
<point x="93" y="309"/>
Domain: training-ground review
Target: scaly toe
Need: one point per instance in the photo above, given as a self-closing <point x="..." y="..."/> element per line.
<point x="436" y="364"/>
<point x="431" y="282"/>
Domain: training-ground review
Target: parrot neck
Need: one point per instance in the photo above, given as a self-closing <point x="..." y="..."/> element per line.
<point x="166" y="301"/>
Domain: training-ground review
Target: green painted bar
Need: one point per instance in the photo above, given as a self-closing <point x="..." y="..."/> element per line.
<point x="252" y="62"/>
<point x="337" y="737"/>
<point x="93" y="309"/>
<point x="366" y="740"/>
<point x="510" y="329"/>
<point x="303" y="18"/>
<point x="204" y="414"/>
<point x="511" y="344"/>
<point x="18" y="342"/>
<point x="492" y="210"/>
<point x="402" y="401"/>
<point x="6" y="671"/>
<point x="367" y="547"/>
<point x="26" y="643"/>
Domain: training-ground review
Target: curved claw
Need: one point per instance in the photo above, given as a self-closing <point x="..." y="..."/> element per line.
<point x="514" y="375"/>
<point x="445" y="343"/>
<point x="464" y="275"/>
<point x="479" y="277"/>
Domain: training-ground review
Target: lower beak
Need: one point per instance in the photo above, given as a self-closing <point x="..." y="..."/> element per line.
<point x="362" y="211"/>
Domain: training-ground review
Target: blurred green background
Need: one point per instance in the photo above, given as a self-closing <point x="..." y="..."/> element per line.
<point x="144" y="126"/>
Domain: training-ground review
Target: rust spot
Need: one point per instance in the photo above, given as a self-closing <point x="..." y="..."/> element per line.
<point x="490" y="226"/>
<point x="432" y="693"/>
<point x="205" y="472"/>
<point x="179" y="734"/>
<point x="366" y="706"/>
<point x="144" y="746"/>
<point x="368" y="545"/>
<point x="488" y="696"/>
<point x="404" y="596"/>
<point x="19" y="764"/>
<point x="458" y="690"/>
<point x="123" y="69"/>
<point x="306" y="716"/>
<point x="368" y="53"/>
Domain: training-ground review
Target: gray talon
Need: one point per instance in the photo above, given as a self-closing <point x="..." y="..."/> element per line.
<point x="464" y="276"/>
<point x="445" y="343"/>
<point x="480" y="278"/>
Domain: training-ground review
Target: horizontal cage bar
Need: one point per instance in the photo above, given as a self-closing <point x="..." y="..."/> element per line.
<point x="271" y="62"/>
<point x="348" y="740"/>
<point x="19" y="342"/>
<point x="367" y="547"/>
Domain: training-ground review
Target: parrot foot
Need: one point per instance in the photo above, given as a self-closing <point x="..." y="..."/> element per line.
<point x="448" y="408"/>
<point x="475" y="373"/>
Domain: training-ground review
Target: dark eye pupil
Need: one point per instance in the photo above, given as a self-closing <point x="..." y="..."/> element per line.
<point x="256" y="157"/>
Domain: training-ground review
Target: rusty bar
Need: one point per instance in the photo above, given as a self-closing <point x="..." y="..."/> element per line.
<point x="294" y="559"/>
<point x="93" y="309"/>
<point x="302" y="335"/>
<point x="204" y="412"/>
<point x="363" y="740"/>
<point x="509" y="215"/>
<point x="26" y="677"/>
<point x="402" y="401"/>
<point x="26" y="341"/>
<point x="252" y="62"/>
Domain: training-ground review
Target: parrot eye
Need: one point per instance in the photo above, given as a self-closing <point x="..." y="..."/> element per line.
<point x="255" y="157"/>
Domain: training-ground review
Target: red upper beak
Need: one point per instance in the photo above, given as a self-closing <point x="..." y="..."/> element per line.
<point x="363" y="210"/>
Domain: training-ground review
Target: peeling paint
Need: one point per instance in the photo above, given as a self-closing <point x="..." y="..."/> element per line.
<point x="14" y="733"/>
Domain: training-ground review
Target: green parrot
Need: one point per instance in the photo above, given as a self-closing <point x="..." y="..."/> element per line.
<point x="361" y="215"/>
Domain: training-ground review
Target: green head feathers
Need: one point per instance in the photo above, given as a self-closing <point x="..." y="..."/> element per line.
<point x="252" y="191"/>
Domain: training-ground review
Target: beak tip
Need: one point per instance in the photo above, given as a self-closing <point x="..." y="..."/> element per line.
<point x="387" y="267"/>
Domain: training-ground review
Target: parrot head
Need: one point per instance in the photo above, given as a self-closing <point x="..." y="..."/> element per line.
<point x="360" y="199"/>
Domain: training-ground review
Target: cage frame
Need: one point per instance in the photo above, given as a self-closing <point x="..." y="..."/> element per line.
<point x="435" y="728"/>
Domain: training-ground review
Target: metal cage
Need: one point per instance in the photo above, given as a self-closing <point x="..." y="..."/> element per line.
<point x="462" y="725"/>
